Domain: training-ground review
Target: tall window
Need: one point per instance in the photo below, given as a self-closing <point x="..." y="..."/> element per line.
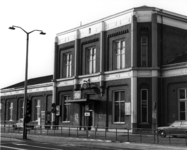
<point x="66" y="117"/>
<point x="21" y="108"/>
<point x="183" y="104"/>
<point x="10" y="112"/>
<point x="144" y="51"/>
<point x="119" y="106"/>
<point x="38" y="110"/>
<point x="120" y="54"/>
<point x="68" y="65"/>
<point x="91" y="60"/>
<point x="144" y="105"/>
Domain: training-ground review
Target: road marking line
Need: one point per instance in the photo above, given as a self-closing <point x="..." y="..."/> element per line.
<point x="12" y="147"/>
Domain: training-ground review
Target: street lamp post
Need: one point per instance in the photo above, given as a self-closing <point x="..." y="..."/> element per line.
<point x="26" y="72"/>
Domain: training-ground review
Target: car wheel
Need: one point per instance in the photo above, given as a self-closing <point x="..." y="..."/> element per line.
<point x="162" y="133"/>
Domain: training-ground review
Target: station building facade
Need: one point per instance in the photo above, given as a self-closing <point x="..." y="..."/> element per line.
<point x="128" y="70"/>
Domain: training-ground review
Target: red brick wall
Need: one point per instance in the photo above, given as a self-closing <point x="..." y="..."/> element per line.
<point x="174" y="42"/>
<point x="169" y="103"/>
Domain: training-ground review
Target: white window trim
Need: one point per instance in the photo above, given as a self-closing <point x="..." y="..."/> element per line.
<point x="121" y="54"/>
<point x="142" y="44"/>
<point x="38" y="106"/>
<point x="114" y="107"/>
<point x="11" y="111"/>
<point x="92" y="60"/>
<point x="182" y="100"/>
<point x="68" y="65"/>
<point x="22" y="108"/>
<point x="64" y="106"/>
<point x="146" y="105"/>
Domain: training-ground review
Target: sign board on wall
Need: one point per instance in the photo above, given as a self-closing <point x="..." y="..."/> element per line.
<point x="87" y="114"/>
<point x="77" y="95"/>
<point x="43" y="119"/>
<point x="127" y="108"/>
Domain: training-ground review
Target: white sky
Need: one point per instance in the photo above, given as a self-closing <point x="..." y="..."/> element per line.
<point x="53" y="16"/>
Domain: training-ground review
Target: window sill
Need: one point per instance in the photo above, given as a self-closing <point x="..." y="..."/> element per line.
<point x="117" y="71"/>
<point x="120" y="123"/>
<point x="64" y="78"/>
<point x="66" y="122"/>
<point x="89" y="75"/>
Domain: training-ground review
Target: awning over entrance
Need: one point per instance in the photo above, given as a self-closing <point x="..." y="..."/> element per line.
<point x="81" y="100"/>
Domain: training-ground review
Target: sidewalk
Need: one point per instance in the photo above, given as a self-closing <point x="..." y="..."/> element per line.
<point x="91" y="143"/>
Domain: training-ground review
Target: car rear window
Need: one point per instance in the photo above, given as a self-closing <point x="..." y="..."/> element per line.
<point x="175" y="124"/>
<point x="184" y="123"/>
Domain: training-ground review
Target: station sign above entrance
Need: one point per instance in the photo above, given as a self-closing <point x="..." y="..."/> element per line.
<point x="77" y="95"/>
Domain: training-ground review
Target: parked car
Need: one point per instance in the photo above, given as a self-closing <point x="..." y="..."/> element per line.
<point x="19" y="125"/>
<point x="175" y="129"/>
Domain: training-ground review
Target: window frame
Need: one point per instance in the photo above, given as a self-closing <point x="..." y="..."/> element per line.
<point x="37" y="109"/>
<point x="185" y="103"/>
<point x="64" y="106"/>
<point x="91" y="59"/>
<point x="21" y="108"/>
<point x="147" y="94"/>
<point x="120" y="53"/>
<point x="67" y="64"/>
<point x="10" y="110"/>
<point x="147" y="46"/>
<point x="120" y="101"/>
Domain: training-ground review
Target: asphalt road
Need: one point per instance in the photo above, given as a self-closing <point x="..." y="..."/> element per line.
<point x="33" y="145"/>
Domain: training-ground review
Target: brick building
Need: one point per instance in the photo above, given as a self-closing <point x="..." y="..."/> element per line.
<point x="128" y="70"/>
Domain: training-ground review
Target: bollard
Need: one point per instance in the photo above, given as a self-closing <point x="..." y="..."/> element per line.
<point x="140" y="135"/>
<point x="54" y="130"/>
<point x="186" y="137"/>
<point x="77" y="131"/>
<point x="116" y="134"/>
<point x="154" y="135"/>
<point x="157" y="137"/>
<point x="127" y="135"/>
<point x="95" y="133"/>
<point x="105" y="133"/>
<point x="47" y="131"/>
<point x="169" y="137"/>
<point x="61" y="131"/>
<point x="69" y="131"/>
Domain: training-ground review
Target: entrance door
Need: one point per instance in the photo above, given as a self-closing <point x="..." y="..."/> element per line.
<point x="89" y="120"/>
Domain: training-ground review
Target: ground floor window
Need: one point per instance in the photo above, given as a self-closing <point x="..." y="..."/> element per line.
<point x="119" y="106"/>
<point x="144" y="106"/>
<point x="66" y="116"/>
<point x="10" y="111"/>
<point x="37" y="110"/>
<point x="21" y="106"/>
<point x="183" y="104"/>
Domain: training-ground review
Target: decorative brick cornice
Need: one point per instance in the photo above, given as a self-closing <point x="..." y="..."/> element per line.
<point x="118" y="33"/>
<point x="67" y="47"/>
<point x="90" y="41"/>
